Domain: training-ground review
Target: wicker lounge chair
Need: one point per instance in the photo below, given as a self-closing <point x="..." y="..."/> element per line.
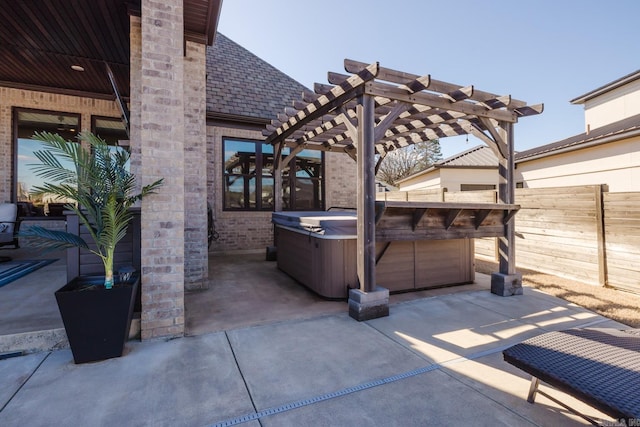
<point x="9" y="226"/>
<point x="598" y="366"/>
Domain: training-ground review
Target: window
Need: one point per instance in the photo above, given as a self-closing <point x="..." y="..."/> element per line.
<point x="477" y="187"/>
<point x="26" y="123"/>
<point x="248" y="177"/>
<point x="113" y="131"/>
<point x="303" y="188"/>
<point x="110" y="129"/>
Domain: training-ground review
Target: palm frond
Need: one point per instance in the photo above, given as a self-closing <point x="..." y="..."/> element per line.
<point x="41" y="237"/>
<point x="99" y="184"/>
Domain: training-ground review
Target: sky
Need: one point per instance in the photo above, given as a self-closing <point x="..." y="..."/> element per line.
<point x="536" y="51"/>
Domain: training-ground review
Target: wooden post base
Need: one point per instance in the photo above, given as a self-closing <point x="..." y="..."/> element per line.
<point x="506" y="285"/>
<point x="368" y="305"/>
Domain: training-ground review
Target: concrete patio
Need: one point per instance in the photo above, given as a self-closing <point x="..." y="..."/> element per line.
<point x="288" y="357"/>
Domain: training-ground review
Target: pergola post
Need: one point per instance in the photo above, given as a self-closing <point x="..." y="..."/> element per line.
<point x="277" y="185"/>
<point x="370" y="301"/>
<point x="507" y="281"/>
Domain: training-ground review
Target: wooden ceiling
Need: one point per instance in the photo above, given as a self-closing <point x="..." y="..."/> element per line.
<point x="409" y="108"/>
<point x="41" y="40"/>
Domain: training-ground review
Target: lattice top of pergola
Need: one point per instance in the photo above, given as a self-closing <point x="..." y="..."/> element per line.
<point x="408" y="109"/>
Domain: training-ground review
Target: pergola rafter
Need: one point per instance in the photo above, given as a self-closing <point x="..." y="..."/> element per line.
<point x="414" y="108"/>
<point x="375" y="110"/>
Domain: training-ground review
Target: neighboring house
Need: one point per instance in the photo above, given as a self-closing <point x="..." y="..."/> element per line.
<point x="473" y="169"/>
<point x="608" y="152"/>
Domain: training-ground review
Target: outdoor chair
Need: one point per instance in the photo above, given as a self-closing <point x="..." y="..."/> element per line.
<point x="601" y="367"/>
<point x="9" y="226"/>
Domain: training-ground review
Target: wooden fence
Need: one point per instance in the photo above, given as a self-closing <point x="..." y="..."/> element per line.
<point x="580" y="233"/>
<point x="622" y="238"/>
<point x="559" y="231"/>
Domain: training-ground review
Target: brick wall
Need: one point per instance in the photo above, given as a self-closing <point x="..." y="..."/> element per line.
<point x="43" y="101"/>
<point x="341" y="179"/>
<point x="162" y="155"/>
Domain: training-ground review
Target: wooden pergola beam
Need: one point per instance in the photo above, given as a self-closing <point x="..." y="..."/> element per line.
<point x="402" y="77"/>
<point x="335" y="98"/>
<point x="393" y="92"/>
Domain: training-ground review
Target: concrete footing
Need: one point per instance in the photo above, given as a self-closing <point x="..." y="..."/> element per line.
<point x="506" y="285"/>
<point x="368" y="305"/>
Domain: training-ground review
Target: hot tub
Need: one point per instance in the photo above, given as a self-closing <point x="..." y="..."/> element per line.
<point x="318" y="249"/>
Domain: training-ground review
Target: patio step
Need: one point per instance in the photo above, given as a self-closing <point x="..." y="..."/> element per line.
<point x="32" y="342"/>
<point x="48" y="340"/>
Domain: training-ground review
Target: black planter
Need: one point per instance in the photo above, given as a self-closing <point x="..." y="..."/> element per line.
<point x="97" y="320"/>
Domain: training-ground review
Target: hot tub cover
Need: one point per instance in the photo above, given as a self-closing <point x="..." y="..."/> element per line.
<point x="320" y="222"/>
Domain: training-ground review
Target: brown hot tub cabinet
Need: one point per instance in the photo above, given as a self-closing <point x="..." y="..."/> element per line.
<point x="418" y="245"/>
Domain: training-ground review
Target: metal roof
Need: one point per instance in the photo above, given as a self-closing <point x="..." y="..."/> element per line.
<point x="478" y="156"/>
<point x="611" y="132"/>
<point x="607" y="88"/>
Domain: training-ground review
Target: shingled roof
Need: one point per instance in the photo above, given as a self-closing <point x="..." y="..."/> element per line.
<point x="241" y="85"/>
<point x="611" y="132"/>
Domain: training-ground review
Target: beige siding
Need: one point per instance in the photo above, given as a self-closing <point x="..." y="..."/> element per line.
<point x="451" y="179"/>
<point x="612" y="106"/>
<point x="616" y="164"/>
<point x="429" y="180"/>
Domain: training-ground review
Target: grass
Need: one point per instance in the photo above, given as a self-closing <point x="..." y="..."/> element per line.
<point x="623" y="307"/>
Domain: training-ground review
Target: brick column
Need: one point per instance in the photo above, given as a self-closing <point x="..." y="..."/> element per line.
<point x="162" y="154"/>
<point x="135" y="102"/>
<point x="195" y="171"/>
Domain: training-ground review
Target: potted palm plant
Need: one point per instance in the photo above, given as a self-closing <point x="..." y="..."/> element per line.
<point x="97" y="186"/>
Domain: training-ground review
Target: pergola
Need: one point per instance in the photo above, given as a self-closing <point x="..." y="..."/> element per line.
<point x="375" y="110"/>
